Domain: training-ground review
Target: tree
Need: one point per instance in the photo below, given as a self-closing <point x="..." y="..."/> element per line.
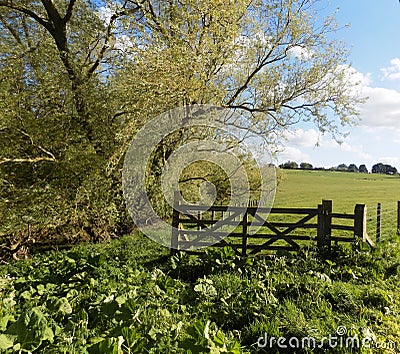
<point x="306" y="166"/>
<point x="264" y="59"/>
<point x="269" y="60"/>
<point x="363" y="169"/>
<point x="58" y="123"/>
<point x="352" y="168"/>
<point x="342" y="167"/>
<point x="79" y="78"/>
<point x="384" y="169"/>
<point x="290" y="165"/>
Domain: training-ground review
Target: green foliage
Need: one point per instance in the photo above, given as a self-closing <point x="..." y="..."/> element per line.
<point x="30" y="331"/>
<point x="121" y="297"/>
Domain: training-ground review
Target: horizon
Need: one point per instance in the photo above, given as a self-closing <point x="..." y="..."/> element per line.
<point x="369" y="168"/>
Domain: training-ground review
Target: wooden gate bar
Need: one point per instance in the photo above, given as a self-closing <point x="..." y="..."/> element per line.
<point x="209" y="230"/>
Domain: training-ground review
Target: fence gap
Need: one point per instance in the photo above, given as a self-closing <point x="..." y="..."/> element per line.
<point x="360" y="224"/>
<point x="198" y="220"/>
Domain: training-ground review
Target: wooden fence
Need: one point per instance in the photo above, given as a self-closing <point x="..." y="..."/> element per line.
<point x="196" y="226"/>
<point x="391" y="220"/>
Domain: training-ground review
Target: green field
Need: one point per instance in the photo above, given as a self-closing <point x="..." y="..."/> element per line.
<point x="307" y="189"/>
<point x="131" y="296"/>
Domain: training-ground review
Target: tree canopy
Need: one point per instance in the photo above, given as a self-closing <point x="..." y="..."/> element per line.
<point x="78" y="78"/>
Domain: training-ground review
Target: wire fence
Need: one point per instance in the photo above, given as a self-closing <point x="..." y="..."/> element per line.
<point x="383" y="221"/>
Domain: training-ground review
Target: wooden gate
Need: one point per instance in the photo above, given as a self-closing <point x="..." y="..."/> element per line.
<point x="197" y="226"/>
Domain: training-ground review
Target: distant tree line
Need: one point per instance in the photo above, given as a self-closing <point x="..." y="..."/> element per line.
<point x="377" y="168"/>
<point x="386" y="169"/>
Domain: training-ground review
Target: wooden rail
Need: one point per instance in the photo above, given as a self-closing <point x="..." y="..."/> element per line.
<point x="198" y="226"/>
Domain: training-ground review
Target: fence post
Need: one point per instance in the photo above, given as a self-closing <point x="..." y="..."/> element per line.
<point x="327" y="206"/>
<point x="324" y="225"/>
<point x="175" y="223"/>
<point x="360" y="221"/>
<point x="378" y="223"/>
<point x="398" y="217"/>
<point x="321" y="228"/>
<point x="244" y="234"/>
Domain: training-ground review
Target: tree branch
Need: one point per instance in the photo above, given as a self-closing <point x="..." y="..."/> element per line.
<point x="11" y="29"/>
<point x="28" y="12"/>
<point x="264" y="62"/>
<point x="189" y="179"/>
<point x="51" y="10"/>
<point x="68" y="13"/>
<point x="106" y="44"/>
<point x="47" y="152"/>
<point x="27" y="160"/>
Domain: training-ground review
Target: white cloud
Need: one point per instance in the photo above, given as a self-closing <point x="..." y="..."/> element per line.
<point x="300" y="52"/>
<point x="303" y="138"/>
<point x="355" y="77"/>
<point x="356" y="80"/>
<point x="382" y="109"/>
<point x="379" y="127"/>
<point x="357" y="150"/>
<point x="105" y="14"/>
<point x="290" y="153"/>
<point x="390" y="160"/>
<point x="392" y="72"/>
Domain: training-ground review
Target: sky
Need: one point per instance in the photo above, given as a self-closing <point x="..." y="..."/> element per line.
<point x="373" y="35"/>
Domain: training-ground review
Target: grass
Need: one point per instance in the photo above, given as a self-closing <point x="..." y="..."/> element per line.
<point x="130" y="296"/>
<point x="345" y="189"/>
<point x="307" y="188"/>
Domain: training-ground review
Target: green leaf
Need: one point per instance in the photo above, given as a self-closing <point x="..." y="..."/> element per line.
<point x="205" y="288"/>
<point x="31" y="329"/>
<point x="48" y="334"/>
<point x="5" y="342"/>
<point x="4" y="321"/>
<point x="64" y="306"/>
<point x="120" y="300"/>
<point x="41" y="289"/>
<point x="27" y="295"/>
<point x="107" y="346"/>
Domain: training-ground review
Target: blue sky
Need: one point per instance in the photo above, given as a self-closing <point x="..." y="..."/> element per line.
<point x="373" y="36"/>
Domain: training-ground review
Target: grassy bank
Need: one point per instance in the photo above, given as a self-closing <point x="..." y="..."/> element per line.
<point x="129" y="296"/>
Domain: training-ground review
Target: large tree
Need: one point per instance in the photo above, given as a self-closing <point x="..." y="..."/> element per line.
<point x="79" y="78"/>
